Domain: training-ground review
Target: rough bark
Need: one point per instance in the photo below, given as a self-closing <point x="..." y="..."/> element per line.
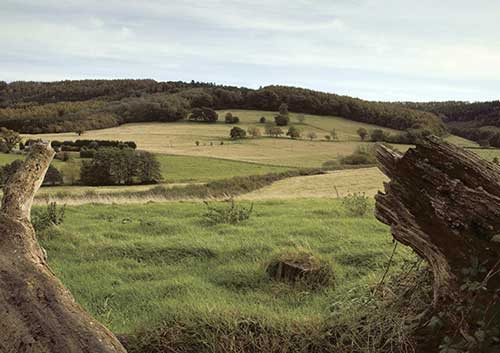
<point x="443" y="202"/>
<point x="37" y="313"/>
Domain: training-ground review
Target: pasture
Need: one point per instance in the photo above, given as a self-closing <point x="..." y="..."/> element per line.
<point x="138" y="266"/>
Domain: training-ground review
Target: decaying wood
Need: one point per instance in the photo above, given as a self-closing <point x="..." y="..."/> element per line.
<point x="37" y="313"/>
<point x="443" y="202"/>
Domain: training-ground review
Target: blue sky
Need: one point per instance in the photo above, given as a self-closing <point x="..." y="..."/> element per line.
<point x="373" y="49"/>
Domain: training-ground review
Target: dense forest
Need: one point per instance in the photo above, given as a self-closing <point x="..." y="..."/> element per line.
<point x="478" y="121"/>
<point x="36" y="107"/>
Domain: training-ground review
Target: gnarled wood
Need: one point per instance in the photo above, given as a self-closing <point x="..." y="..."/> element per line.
<point x="443" y="202"/>
<point x="37" y="313"/>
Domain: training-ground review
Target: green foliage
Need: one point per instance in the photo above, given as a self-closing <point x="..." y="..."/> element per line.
<point x="114" y="166"/>
<point x="281" y="120"/>
<point x="9" y="139"/>
<point x="363" y="133"/>
<point x="7" y="170"/>
<point x="204" y="114"/>
<point x="230" y="119"/>
<point x="293" y="132"/>
<point x="51" y="215"/>
<point x="227" y="214"/>
<point x="53" y="177"/>
<point x="262" y="120"/>
<point x="377" y="135"/>
<point x="362" y="155"/>
<point x="356" y="204"/>
<point x="237" y="133"/>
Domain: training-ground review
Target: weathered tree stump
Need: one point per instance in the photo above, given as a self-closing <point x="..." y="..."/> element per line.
<point x="37" y="313"/>
<point x="300" y="268"/>
<point x="443" y="202"/>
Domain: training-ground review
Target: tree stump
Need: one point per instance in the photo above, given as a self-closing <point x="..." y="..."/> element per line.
<point x="443" y="202"/>
<point x="37" y="313"/>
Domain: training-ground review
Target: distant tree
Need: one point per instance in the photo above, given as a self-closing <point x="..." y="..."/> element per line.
<point x="115" y="166"/>
<point x="301" y="118"/>
<point x="377" y="135"/>
<point x="328" y="137"/>
<point x="293" y="132"/>
<point x="9" y="169"/>
<point x="312" y="135"/>
<point x="70" y="172"/>
<point x="147" y="168"/>
<point x="262" y="120"/>
<point x="281" y="120"/>
<point x="362" y="133"/>
<point x="53" y="177"/>
<point x="484" y="143"/>
<point x="237" y="133"/>
<point x="254" y="131"/>
<point x="275" y="131"/>
<point x="197" y="143"/>
<point x="204" y="114"/>
<point x="230" y="119"/>
<point x="283" y="109"/>
<point x="333" y="134"/>
<point x="9" y="138"/>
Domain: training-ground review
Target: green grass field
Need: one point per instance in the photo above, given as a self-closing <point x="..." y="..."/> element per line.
<point x="136" y="266"/>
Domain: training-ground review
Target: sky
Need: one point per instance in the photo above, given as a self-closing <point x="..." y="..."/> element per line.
<point x="373" y="49"/>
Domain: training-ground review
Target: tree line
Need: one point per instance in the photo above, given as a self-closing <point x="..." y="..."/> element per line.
<point x="33" y="107"/>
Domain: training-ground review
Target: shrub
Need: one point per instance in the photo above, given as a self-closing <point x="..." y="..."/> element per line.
<point x="362" y="133"/>
<point x="51" y="215"/>
<point x="53" y="177"/>
<point x="331" y="164"/>
<point x="114" y="166"/>
<point x="232" y="214"/>
<point x="377" y="135"/>
<point x="356" y="204"/>
<point x="328" y="137"/>
<point x="362" y="155"/>
<point x="237" y="133"/>
<point x="254" y="131"/>
<point x="312" y="135"/>
<point x="204" y="114"/>
<point x="262" y="120"/>
<point x="230" y="119"/>
<point x="87" y="153"/>
<point x="293" y="132"/>
<point x="281" y="120"/>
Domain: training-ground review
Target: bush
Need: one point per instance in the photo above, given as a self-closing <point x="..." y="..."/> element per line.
<point x="282" y="120"/>
<point x="330" y="165"/>
<point x="356" y="204"/>
<point x="293" y="132"/>
<point x="53" y="177"/>
<point x="52" y="215"/>
<point x="87" y="153"/>
<point x="377" y="135"/>
<point x="262" y="120"/>
<point x="204" y="114"/>
<point x="115" y="166"/>
<point x="230" y="119"/>
<point x="237" y="133"/>
<point x="362" y="155"/>
<point x="232" y="214"/>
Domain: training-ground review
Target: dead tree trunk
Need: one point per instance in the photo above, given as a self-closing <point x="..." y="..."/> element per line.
<point x="443" y="202"/>
<point x="37" y="313"/>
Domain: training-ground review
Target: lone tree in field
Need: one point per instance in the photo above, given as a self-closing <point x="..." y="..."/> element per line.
<point x="38" y="314"/>
<point x="301" y="118"/>
<point x="9" y="139"/>
<point x="282" y="119"/>
<point x="363" y="133"/>
<point x="254" y="131"/>
<point x="237" y="133"/>
<point x="444" y="203"/>
<point x="293" y="132"/>
<point x="311" y="135"/>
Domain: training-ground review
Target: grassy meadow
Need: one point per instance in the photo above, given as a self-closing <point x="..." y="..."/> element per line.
<point x="139" y="266"/>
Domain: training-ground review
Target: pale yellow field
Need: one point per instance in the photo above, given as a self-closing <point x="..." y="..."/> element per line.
<point x="180" y="139"/>
<point x="334" y="184"/>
